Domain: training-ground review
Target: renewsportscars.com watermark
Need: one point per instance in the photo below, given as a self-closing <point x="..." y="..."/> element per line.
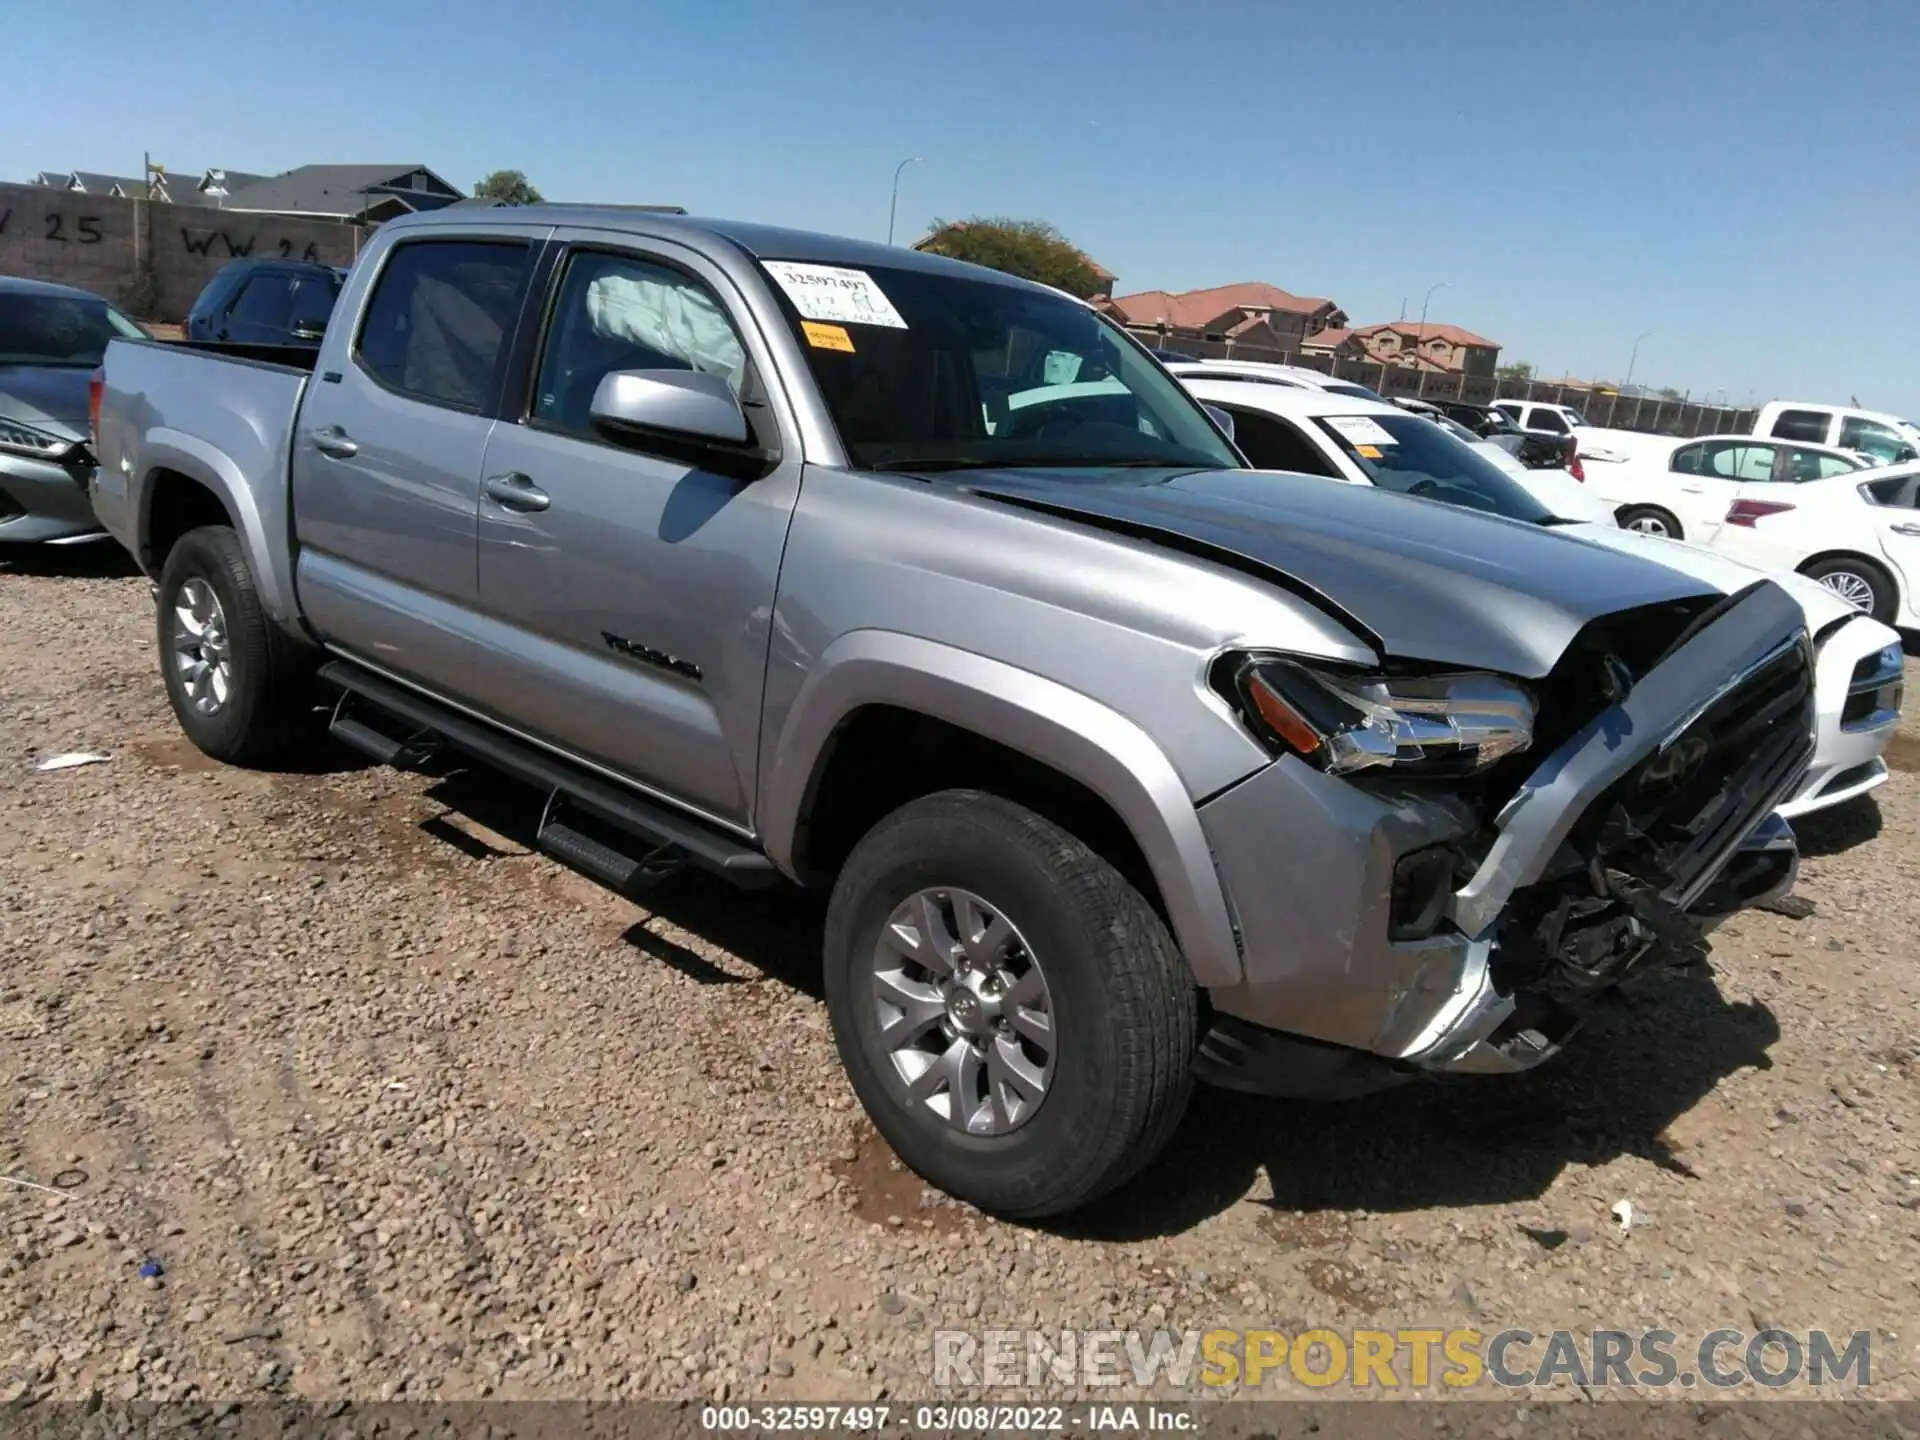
<point x="1402" y="1359"/>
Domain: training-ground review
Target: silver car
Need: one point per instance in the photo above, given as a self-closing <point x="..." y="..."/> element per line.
<point x="52" y="338"/>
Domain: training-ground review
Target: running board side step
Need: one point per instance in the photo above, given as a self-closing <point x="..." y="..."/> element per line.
<point x="666" y="839"/>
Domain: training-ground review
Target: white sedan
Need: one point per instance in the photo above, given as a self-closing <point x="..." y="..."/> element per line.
<point x="1683" y="488"/>
<point x="1859" y="669"/>
<point x="1858" y="534"/>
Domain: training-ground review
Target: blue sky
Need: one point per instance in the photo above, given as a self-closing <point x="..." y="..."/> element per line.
<point x="1737" y="178"/>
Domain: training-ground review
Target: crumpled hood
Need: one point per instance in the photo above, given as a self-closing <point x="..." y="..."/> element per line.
<point x="50" y="398"/>
<point x="1820" y="605"/>
<point x="1426" y="581"/>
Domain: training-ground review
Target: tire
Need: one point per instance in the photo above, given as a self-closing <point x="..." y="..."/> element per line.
<point x="265" y="705"/>
<point x="1124" y="1014"/>
<point x="1845" y="575"/>
<point x="1651" y="520"/>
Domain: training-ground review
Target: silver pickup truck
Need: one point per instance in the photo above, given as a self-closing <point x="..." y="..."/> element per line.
<point x="806" y="560"/>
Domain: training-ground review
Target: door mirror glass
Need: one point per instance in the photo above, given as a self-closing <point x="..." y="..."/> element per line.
<point x="681" y="402"/>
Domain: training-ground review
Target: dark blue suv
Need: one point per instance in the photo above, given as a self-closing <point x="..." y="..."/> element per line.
<point x="266" y="302"/>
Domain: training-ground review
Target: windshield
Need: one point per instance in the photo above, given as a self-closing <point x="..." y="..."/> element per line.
<point x="928" y="371"/>
<point x="1347" y="387"/>
<point x="46" y="329"/>
<point x="1416" y="457"/>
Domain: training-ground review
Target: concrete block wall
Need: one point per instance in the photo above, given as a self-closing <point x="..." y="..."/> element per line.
<point x="102" y="244"/>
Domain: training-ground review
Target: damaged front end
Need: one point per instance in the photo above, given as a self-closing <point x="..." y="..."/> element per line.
<point x="1411" y="922"/>
<point x="1640" y="831"/>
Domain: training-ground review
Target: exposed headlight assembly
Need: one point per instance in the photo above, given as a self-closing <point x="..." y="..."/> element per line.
<point x="25" y="440"/>
<point x="1342" y="721"/>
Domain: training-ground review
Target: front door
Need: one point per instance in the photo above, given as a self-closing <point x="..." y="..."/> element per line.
<point x="633" y="587"/>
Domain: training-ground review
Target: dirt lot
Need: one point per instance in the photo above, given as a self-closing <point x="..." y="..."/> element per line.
<point x="398" y="1108"/>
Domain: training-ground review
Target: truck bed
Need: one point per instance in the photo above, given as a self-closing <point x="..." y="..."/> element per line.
<point x="221" y="415"/>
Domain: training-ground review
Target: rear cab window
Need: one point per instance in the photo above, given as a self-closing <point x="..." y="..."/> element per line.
<point x="436" y="323"/>
<point x="1809" y="426"/>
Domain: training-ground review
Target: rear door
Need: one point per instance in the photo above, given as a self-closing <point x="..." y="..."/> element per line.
<point x="1710" y="475"/>
<point x="387" y="452"/>
<point x="631" y="585"/>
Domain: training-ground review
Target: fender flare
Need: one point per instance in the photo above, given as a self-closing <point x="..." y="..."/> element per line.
<point x="1059" y="727"/>
<point x="164" y="449"/>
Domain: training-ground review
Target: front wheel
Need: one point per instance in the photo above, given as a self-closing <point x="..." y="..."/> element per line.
<point x="237" y="684"/>
<point x="1651" y="520"/>
<point x="1861" y="583"/>
<point x="1013" y="1014"/>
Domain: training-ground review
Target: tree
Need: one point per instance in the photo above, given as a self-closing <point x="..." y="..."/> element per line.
<point x="1518" y="373"/>
<point x="507" y="187"/>
<point x="1031" y="249"/>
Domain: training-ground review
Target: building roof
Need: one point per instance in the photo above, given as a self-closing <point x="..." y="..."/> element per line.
<point x="96" y="183"/>
<point x="1332" y="338"/>
<point x="1432" y="330"/>
<point x="1192" y="309"/>
<point x="342" y="190"/>
<point x="230" y="180"/>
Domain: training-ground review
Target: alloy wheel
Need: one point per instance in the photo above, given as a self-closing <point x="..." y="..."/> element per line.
<point x="202" y="651"/>
<point x="1853" y="588"/>
<point x="964" y="1011"/>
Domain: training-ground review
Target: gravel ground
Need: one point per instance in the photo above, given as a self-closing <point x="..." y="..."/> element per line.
<point x="400" y="1109"/>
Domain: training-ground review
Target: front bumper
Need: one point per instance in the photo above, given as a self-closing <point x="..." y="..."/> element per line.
<point x="1858" y="689"/>
<point x="45" y="499"/>
<point x="1308" y="862"/>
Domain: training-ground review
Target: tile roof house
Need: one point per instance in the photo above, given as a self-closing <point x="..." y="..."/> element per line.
<point x="1432" y="346"/>
<point x="1337" y="341"/>
<point x="346" y="192"/>
<point x="94" y="182"/>
<point x="216" y="186"/>
<point x="1248" y="313"/>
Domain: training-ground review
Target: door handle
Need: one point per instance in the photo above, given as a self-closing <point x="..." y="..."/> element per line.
<point x="1903" y="528"/>
<point x="515" y="491"/>
<point x="335" y="442"/>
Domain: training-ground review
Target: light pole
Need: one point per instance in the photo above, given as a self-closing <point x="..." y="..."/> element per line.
<point x="893" y="205"/>
<point x="1425" y="301"/>
<point x="1635" y="355"/>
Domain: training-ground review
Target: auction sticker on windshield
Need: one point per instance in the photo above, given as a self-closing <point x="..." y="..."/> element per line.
<point x="1359" y="430"/>
<point x="827" y="337"/>
<point x="834" y="294"/>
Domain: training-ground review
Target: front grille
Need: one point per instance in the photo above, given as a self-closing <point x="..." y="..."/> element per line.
<point x="1700" y="794"/>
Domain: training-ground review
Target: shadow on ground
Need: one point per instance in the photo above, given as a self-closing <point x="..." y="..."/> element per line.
<point x="1831" y="832"/>
<point x="96" y="560"/>
<point x="1639" y="1065"/>
<point x="1634" y="1070"/>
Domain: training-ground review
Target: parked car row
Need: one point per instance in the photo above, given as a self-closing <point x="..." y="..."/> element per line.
<point x="1140" y="728"/>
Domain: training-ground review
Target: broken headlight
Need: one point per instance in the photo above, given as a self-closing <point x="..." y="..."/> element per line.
<point x="1341" y="722"/>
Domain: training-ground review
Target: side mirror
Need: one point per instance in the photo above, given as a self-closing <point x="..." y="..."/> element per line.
<point x="692" y="403"/>
<point x="1222" y="418"/>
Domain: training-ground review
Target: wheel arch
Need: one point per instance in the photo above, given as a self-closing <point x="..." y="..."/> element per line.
<point x="187" y="482"/>
<point x="880" y="678"/>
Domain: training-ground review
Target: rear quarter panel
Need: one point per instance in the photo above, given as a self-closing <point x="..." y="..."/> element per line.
<point x="224" y="423"/>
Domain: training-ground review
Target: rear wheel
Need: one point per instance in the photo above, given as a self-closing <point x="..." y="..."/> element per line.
<point x="239" y="686"/>
<point x="1651" y="520"/>
<point x="1012" y="1013"/>
<point x="1859" y="582"/>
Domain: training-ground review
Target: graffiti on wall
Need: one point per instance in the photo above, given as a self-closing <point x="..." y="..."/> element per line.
<point x="203" y="243"/>
<point x="85" y="229"/>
